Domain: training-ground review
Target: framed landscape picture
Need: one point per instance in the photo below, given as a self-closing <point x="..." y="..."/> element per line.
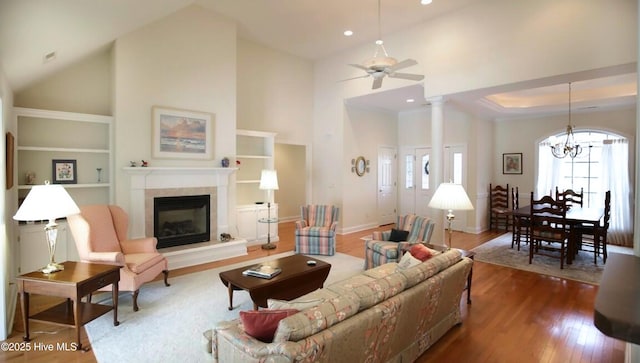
<point x="64" y="172"/>
<point x="512" y="163"/>
<point x="182" y="134"/>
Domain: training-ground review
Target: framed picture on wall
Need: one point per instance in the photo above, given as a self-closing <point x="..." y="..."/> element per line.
<point x="512" y="163"/>
<point x="182" y="134"/>
<point x="64" y="172"/>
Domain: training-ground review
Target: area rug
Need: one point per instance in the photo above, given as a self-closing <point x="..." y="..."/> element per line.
<point x="169" y="325"/>
<point x="498" y="251"/>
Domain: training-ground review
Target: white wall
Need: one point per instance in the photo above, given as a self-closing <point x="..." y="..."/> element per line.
<point x="488" y="44"/>
<point x="364" y="131"/>
<point x="531" y="131"/>
<point x="187" y="61"/>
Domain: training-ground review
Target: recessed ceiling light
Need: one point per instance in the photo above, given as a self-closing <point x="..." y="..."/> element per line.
<point x="409" y="100"/>
<point x="425" y="2"/>
<point x="348" y="33"/>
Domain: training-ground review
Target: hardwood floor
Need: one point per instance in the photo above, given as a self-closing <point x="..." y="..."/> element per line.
<point x="516" y="316"/>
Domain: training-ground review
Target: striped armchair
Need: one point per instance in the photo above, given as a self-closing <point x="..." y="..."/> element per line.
<point x="379" y="250"/>
<point x="316" y="232"/>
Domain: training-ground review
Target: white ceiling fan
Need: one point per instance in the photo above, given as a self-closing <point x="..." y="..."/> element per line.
<point x="382" y="65"/>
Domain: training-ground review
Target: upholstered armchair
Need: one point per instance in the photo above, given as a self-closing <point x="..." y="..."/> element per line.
<point x="382" y="248"/>
<point x="100" y="232"/>
<point x="316" y="231"/>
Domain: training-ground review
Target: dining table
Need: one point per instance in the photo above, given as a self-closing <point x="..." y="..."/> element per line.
<point x="577" y="216"/>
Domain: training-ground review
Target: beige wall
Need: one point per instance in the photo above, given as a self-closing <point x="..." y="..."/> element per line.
<point x="8" y="227"/>
<point x="156" y="65"/>
<point x="290" y="162"/>
<point x="84" y="87"/>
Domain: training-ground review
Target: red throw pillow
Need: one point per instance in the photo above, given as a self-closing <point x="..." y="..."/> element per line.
<point x="420" y="251"/>
<point x="262" y="324"/>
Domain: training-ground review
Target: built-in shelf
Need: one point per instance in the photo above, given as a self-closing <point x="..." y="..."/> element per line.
<point x="72" y="186"/>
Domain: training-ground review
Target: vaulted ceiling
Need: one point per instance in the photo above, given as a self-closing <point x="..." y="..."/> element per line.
<point x="32" y="32"/>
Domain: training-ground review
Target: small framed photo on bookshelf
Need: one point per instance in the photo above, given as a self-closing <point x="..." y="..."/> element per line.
<point x="64" y="172"/>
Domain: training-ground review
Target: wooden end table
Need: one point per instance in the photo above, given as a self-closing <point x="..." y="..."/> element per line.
<point x="296" y="279"/>
<point x="77" y="280"/>
<point x="465" y="253"/>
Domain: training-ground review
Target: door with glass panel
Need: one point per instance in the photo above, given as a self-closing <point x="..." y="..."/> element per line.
<point x="455" y="171"/>
<point x="415" y="189"/>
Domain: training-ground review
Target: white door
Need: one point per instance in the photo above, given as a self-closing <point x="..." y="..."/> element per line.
<point x="387" y="189"/>
<point x="424" y="190"/>
<point x="455" y="170"/>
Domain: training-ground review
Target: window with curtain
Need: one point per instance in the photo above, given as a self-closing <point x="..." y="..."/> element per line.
<point x="602" y="165"/>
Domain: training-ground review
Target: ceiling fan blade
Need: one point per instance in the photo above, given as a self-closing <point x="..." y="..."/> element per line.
<point x="413" y="77"/>
<point x="377" y="83"/>
<point x="348" y="79"/>
<point x="404" y="64"/>
<point x="359" y="66"/>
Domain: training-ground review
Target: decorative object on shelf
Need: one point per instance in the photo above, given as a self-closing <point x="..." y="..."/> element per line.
<point x="238" y="163"/>
<point x="570" y="147"/>
<point x="268" y="182"/>
<point x="30" y="178"/>
<point x="360" y="165"/>
<point x="133" y="164"/>
<point x="225" y="237"/>
<point x="99" y="170"/>
<point x="144" y="163"/>
<point x="225" y="162"/>
<point x="47" y="202"/>
<point x="182" y="134"/>
<point x="512" y="163"/>
<point x="9" y="149"/>
<point x="450" y="196"/>
<point x="64" y="171"/>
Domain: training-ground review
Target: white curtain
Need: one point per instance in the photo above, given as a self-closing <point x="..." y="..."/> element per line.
<point x="548" y="177"/>
<point x="615" y="177"/>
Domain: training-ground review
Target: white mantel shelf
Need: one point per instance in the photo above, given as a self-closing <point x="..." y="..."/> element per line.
<point x="176" y="170"/>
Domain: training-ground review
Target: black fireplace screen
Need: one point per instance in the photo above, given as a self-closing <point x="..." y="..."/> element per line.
<point x="181" y="220"/>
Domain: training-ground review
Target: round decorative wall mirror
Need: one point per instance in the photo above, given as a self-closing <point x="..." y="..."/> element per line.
<point x="361" y="165"/>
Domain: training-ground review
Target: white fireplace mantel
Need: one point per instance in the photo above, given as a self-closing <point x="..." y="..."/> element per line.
<point x="143" y="178"/>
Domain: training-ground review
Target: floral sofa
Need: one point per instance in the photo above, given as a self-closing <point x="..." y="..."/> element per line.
<point x="385" y="314"/>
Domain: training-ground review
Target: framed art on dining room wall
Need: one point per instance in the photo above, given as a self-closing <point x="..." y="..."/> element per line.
<point x="512" y="163"/>
<point x="182" y="134"/>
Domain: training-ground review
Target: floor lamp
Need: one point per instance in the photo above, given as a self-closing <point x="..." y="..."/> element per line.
<point x="269" y="182"/>
<point x="47" y="202"/>
<point x="450" y="196"/>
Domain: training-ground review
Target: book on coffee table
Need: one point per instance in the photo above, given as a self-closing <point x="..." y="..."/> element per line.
<point x="262" y="271"/>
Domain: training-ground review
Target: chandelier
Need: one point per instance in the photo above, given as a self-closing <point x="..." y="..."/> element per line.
<point x="569" y="147"/>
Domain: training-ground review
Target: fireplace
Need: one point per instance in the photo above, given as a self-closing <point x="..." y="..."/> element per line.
<point x="181" y="220"/>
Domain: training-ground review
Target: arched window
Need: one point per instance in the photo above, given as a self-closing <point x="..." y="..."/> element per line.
<point x="602" y="165"/>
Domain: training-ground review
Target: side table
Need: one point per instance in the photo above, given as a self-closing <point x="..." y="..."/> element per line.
<point x="465" y="253"/>
<point x="77" y="280"/>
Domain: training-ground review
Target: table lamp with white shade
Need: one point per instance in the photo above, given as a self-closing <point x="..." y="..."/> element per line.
<point x="450" y="196"/>
<point x="269" y="182"/>
<point x="47" y="202"/>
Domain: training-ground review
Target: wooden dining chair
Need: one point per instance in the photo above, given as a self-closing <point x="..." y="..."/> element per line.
<point x="594" y="238"/>
<point x="520" y="224"/>
<point x="499" y="207"/>
<point x="570" y="197"/>
<point x="549" y="229"/>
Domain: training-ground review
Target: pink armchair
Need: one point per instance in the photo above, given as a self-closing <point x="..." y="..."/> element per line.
<point x="100" y="232"/>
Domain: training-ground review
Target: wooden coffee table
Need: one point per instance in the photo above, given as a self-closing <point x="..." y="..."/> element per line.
<point x="296" y="279"/>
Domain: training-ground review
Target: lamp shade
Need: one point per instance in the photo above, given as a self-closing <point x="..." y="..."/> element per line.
<point x="269" y="180"/>
<point x="450" y="196"/>
<point x="46" y="202"/>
